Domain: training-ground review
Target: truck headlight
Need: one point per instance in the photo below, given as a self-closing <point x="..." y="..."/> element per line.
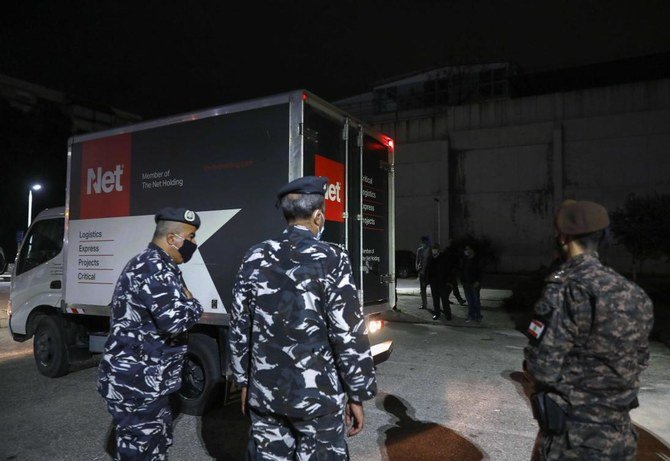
<point x="375" y="325"/>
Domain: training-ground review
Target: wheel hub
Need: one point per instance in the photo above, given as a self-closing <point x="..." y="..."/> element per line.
<point x="43" y="349"/>
<point x="193" y="379"/>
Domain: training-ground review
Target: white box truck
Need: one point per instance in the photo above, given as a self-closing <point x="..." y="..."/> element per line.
<point x="226" y="163"/>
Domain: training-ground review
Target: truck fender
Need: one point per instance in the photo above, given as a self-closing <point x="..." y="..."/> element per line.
<point x="21" y="315"/>
<point x="35" y="316"/>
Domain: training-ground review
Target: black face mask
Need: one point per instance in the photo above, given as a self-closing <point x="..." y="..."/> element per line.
<point x="187" y="249"/>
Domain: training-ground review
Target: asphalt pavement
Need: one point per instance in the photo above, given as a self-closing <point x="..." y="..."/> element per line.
<point x="449" y="391"/>
<point x="4" y="297"/>
<point x="651" y="417"/>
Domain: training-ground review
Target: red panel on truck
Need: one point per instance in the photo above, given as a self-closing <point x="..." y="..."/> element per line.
<point x="105" y="177"/>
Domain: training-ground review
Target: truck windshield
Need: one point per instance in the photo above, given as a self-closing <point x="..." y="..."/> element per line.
<point x="43" y="242"/>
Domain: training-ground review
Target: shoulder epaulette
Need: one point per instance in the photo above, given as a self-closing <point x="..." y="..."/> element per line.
<point x="558" y="276"/>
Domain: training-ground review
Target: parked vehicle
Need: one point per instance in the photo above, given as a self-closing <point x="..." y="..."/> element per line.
<point x="3" y="261"/>
<point x="405" y="264"/>
<point x="226" y="163"/>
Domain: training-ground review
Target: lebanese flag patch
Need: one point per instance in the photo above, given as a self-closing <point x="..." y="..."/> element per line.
<point x="535" y="328"/>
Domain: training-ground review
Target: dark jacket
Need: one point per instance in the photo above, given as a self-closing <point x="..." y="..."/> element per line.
<point x="436" y="269"/>
<point x="422" y="255"/>
<point x="452" y="262"/>
<point x="471" y="271"/>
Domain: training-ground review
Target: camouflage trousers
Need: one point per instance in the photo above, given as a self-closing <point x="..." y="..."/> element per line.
<point x="143" y="430"/>
<point x="590" y="441"/>
<point x="278" y="438"/>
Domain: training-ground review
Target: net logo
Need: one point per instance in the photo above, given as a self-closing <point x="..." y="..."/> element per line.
<point x="105" y="177"/>
<point x="99" y="182"/>
<point x="335" y="192"/>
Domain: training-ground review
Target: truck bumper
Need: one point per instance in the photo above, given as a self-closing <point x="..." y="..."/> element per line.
<point x="15" y="336"/>
<point x="382" y="351"/>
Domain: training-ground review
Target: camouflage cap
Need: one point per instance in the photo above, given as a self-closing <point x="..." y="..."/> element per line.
<point x="305" y="185"/>
<point x="179" y="215"/>
<point x="581" y="217"/>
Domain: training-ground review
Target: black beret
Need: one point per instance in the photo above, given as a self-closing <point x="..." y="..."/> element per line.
<point x="179" y="215"/>
<point x="581" y="217"/>
<point x="305" y="185"/>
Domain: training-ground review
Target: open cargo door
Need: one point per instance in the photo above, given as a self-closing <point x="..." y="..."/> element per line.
<point x="359" y="200"/>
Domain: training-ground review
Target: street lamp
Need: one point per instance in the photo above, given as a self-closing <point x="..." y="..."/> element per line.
<point x="34" y="187"/>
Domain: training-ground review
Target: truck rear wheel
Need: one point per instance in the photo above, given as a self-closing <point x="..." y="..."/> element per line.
<point x="49" y="348"/>
<point x="200" y="376"/>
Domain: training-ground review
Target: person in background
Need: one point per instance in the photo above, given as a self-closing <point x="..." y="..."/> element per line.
<point x="422" y="255"/>
<point x="436" y="274"/>
<point x="588" y="344"/>
<point x="471" y="277"/>
<point x="453" y="264"/>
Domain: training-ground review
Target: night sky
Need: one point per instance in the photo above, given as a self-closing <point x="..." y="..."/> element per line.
<point x="160" y="58"/>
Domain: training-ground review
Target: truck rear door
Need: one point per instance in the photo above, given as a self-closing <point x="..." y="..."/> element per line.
<point x="358" y="201"/>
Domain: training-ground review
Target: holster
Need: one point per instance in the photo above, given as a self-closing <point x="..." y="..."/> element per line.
<point x="549" y="414"/>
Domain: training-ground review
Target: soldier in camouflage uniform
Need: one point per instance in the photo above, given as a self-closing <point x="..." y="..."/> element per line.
<point x="588" y="345"/>
<point x="298" y="341"/>
<point x="151" y="311"/>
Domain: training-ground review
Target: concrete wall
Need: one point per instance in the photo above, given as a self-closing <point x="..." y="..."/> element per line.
<point x="421" y="181"/>
<point x="499" y="169"/>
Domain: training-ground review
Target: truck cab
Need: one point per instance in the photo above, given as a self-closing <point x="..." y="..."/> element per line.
<point x="37" y="277"/>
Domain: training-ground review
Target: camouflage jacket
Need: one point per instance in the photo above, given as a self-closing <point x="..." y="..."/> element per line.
<point x="298" y="338"/>
<point x="150" y="314"/>
<point x="589" y="339"/>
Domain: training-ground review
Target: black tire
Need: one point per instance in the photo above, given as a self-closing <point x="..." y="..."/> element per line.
<point x="49" y="349"/>
<point x="200" y="376"/>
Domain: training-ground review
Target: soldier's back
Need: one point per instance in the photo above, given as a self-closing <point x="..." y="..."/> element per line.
<point x="293" y="371"/>
<point x="614" y="318"/>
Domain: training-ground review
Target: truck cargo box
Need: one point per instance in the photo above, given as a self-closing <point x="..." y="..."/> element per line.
<point x="227" y="163"/>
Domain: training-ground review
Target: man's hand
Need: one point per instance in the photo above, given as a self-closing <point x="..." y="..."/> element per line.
<point x="188" y="293"/>
<point x="354" y="418"/>
<point x="243" y="400"/>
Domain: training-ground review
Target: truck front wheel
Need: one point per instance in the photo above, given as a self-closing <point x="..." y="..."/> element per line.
<point x="49" y="348"/>
<point x="201" y="374"/>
